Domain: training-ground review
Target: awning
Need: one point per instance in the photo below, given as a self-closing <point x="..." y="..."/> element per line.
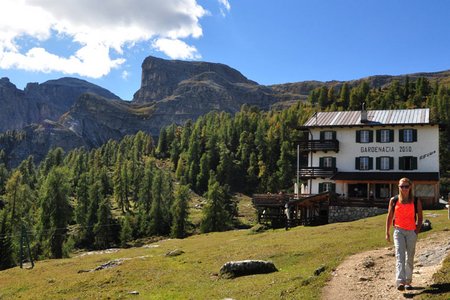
<point x="386" y="176"/>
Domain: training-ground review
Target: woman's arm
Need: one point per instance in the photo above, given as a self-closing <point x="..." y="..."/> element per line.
<point x="419" y="216"/>
<point x="389" y="218"/>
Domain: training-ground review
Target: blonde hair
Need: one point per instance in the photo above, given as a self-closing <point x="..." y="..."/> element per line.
<point x="411" y="193"/>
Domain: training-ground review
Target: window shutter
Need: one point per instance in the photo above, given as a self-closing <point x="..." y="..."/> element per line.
<point x="321" y="162"/>
<point x="378" y="163"/>
<point x="414" y="132"/>
<point x="401" y="135"/>
<point x="333" y="187"/>
<point x="357" y="165"/>
<point x="378" y="136"/>
<point x="358" y="136"/>
<point x="322" y="135"/>
<point x="391" y="135"/>
<point x="391" y="163"/>
<point x="370" y="163"/>
<point x="370" y="136"/>
<point x="334" y="135"/>
<point x="401" y="163"/>
<point x="333" y="162"/>
<point x="414" y="163"/>
<point x="320" y="187"/>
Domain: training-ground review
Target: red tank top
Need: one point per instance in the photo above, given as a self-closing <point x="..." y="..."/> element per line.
<point x="405" y="216"/>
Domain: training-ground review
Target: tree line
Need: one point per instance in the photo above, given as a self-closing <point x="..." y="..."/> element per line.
<point x="134" y="188"/>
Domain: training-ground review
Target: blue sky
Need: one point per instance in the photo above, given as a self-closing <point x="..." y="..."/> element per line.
<point x="270" y="42"/>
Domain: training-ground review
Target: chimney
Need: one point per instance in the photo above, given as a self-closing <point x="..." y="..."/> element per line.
<point x="364" y="113"/>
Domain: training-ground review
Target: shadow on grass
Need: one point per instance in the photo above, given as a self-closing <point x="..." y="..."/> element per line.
<point x="434" y="289"/>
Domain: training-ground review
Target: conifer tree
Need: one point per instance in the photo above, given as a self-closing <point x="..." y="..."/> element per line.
<point x="344" y="96"/>
<point x="323" y="97"/>
<point x="215" y="215"/>
<point x="180" y="213"/>
<point x="102" y="229"/>
<point x="3" y="177"/>
<point x="285" y="171"/>
<point x="156" y="213"/>
<point x="125" y="232"/>
<point x="6" y="243"/>
<point x="55" y="210"/>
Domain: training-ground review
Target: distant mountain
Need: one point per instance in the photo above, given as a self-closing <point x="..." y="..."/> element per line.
<point x="69" y="112"/>
<point x="38" y="102"/>
<point x="301" y="90"/>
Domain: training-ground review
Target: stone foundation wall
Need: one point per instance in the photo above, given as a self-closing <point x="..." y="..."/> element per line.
<point x="345" y="213"/>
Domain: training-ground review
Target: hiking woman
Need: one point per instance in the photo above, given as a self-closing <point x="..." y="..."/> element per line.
<point x="405" y="214"/>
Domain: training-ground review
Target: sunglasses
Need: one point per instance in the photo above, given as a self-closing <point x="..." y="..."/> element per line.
<point x="404" y="186"/>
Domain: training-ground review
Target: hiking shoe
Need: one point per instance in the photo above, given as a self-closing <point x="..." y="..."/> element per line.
<point x="408" y="287"/>
<point x="401" y="287"/>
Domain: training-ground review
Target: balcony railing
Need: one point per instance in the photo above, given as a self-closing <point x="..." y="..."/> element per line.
<point x="314" y="172"/>
<point x="319" y="145"/>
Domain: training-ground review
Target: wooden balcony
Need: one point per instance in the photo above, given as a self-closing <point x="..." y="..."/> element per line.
<point x="315" y="172"/>
<point x="319" y="145"/>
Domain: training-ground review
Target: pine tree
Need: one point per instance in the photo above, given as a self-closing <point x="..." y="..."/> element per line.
<point x="215" y="214"/>
<point x="102" y="228"/>
<point x="285" y="166"/>
<point x="180" y="213"/>
<point x="323" y="97"/>
<point x="6" y="243"/>
<point x="125" y="232"/>
<point x="156" y="214"/>
<point x="344" y="96"/>
<point x="55" y="210"/>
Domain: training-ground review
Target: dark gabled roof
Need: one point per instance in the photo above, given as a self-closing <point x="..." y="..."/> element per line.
<point x="374" y="117"/>
<point x="386" y="176"/>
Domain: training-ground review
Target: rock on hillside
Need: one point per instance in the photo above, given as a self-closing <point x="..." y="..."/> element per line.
<point x="38" y="139"/>
<point x="38" y="102"/>
<point x="96" y="119"/>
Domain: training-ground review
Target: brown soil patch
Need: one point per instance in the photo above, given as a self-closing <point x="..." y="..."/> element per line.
<point x="371" y="274"/>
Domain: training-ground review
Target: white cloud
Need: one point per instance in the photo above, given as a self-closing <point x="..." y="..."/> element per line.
<point x="176" y="49"/>
<point x="97" y="28"/>
<point x="225" y="4"/>
<point x="125" y="75"/>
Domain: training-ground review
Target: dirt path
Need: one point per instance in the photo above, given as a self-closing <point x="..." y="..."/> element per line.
<point x="371" y="275"/>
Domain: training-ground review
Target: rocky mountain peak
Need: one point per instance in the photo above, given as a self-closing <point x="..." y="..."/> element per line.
<point x="160" y="77"/>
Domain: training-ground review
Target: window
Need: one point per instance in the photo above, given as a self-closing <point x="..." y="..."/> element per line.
<point x="382" y="190"/>
<point x="385" y="136"/>
<point x="328" y="135"/>
<point x="385" y="163"/>
<point x="364" y="136"/>
<point x="407" y="163"/>
<point x="327" y="186"/>
<point x="364" y="163"/>
<point x="408" y="135"/>
<point x="327" y="162"/>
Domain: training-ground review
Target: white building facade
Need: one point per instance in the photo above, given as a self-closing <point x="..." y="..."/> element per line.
<point x="363" y="154"/>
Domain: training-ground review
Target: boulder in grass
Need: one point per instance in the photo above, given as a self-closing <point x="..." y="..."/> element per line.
<point x="246" y="267"/>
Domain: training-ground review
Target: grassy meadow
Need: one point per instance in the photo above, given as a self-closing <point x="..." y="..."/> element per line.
<point x="297" y="253"/>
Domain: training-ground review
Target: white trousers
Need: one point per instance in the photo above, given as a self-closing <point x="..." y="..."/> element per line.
<point x="405" y="248"/>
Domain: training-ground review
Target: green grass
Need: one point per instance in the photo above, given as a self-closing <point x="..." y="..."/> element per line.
<point x="194" y="274"/>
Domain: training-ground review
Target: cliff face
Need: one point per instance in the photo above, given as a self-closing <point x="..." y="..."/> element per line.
<point x="38" y="102"/>
<point x="182" y="90"/>
<point x="15" y="111"/>
<point x="96" y="119"/>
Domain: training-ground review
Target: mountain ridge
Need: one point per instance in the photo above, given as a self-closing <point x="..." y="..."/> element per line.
<point x="172" y="91"/>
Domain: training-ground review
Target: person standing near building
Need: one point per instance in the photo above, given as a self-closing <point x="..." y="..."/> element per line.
<point x="405" y="214"/>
